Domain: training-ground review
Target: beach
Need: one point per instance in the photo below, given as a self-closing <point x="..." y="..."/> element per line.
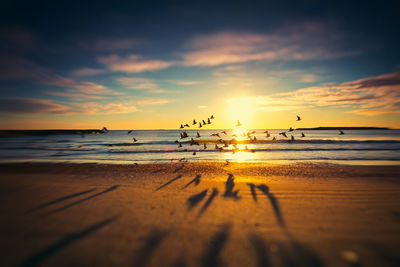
<point x="199" y="214"/>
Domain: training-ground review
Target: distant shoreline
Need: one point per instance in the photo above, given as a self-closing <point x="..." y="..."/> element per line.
<point x="343" y="128"/>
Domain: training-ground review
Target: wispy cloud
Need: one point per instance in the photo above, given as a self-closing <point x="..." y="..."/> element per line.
<point x="75" y="96"/>
<point x="185" y="82"/>
<point x="370" y="96"/>
<point x="133" y="63"/>
<point x="87" y="72"/>
<point x="30" y="106"/>
<point x="143" y="84"/>
<point x="110" y="44"/>
<point x="152" y="101"/>
<point x="301" y="42"/>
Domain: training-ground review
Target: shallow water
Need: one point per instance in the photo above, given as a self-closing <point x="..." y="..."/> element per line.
<point x="363" y="147"/>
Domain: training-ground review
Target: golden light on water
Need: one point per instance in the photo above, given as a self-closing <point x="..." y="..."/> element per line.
<point x="240" y="109"/>
<point x="239" y="133"/>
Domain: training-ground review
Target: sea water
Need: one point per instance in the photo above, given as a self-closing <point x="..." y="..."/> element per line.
<point x="363" y="147"/>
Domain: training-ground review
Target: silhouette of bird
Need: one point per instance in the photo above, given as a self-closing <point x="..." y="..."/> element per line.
<point x="181" y="126"/>
<point x="302" y="134"/>
<point x="298" y="118"/>
<point x="341" y="132"/>
<point x="134" y="139"/>
<point x="266" y="131"/>
<point x="200" y="125"/>
<point x="204" y="122"/>
<point x="238" y="123"/>
<point x="212" y="117"/>
<point x="205" y="146"/>
<point x="208" y="121"/>
<point x="216" y="146"/>
<point x="268" y="135"/>
<point x="274" y="138"/>
<point x="180" y="145"/>
<point x="194" y="122"/>
<point x="194" y="153"/>
<point x="283" y="134"/>
<point x="290" y="129"/>
<point x="130" y="131"/>
<point x="224" y="132"/>
<point x="215" y="134"/>
<point x="198" y="135"/>
<point x="186" y="125"/>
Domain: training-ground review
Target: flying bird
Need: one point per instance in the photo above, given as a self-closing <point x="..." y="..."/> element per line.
<point x="181" y="126"/>
<point x="134" y="139"/>
<point x="205" y="147"/>
<point x="341" y="132"/>
<point x="303" y="135"/>
<point x="204" y="122"/>
<point x="224" y="132"/>
<point x="298" y="118"/>
<point x="290" y="129"/>
<point x="208" y="121"/>
<point x="194" y="122"/>
<point x="283" y="134"/>
<point x="198" y="135"/>
<point x="212" y="117"/>
<point x="200" y="125"/>
<point x="186" y="125"/>
<point x="130" y="131"/>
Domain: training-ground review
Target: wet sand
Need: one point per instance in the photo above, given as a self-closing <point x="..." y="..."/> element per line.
<point x="199" y="214"/>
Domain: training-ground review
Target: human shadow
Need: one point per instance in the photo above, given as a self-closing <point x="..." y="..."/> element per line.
<point x="84" y="199"/>
<point x="196" y="181"/>
<point x="210" y="199"/>
<point x="195" y="199"/>
<point x="45" y="253"/>
<point x="44" y="205"/>
<point x="274" y="202"/>
<point x="253" y="191"/>
<point x="216" y="245"/>
<point x="260" y="249"/>
<point x="229" y="185"/>
<point x="169" y="182"/>
<point x="151" y="243"/>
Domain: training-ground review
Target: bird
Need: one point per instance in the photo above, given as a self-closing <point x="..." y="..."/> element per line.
<point x="224" y="132"/>
<point x="274" y="138"/>
<point x="290" y="129"/>
<point x="180" y="145"/>
<point x="298" y="118"/>
<point x="194" y="122"/>
<point x="268" y="135"/>
<point x="186" y="125"/>
<point x="216" y="146"/>
<point x="215" y="134"/>
<point x="266" y="131"/>
<point x="283" y="134"/>
<point x="181" y="126"/>
<point x="194" y="153"/>
<point x="238" y="123"/>
<point x="134" y="139"/>
<point x="208" y="121"/>
<point x="204" y="122"/>
<point x="212" y="117"/>
<point x="205" y="146"/>
<point x="341" y="132"/>
<point x="303" y="135"/>
<point x="130" y="131"/>
<point x="200" y="125"/>
<point x="198" y="135"/>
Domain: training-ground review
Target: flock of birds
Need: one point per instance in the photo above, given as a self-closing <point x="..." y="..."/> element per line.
<point x="225" y="143"/>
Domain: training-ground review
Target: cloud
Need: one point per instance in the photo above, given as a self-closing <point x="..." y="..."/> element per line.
<point x="185" y="83"/>
<point x="307" y="41"/>
<point x="132" y="63"/>
<point x="30" y="106"/>
<point x="137" y="83"/>
<point x="87" y="72"/>
<point x="152" y="101"/>
<point x="77" y="87"/>
<point x="370" y="96"/>
<point x="75" y="96"/>
<point x="104" y="108"/>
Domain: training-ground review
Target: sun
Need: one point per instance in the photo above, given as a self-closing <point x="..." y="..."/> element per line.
<point x="242" y="109"/>
<point x="239" y="133"/>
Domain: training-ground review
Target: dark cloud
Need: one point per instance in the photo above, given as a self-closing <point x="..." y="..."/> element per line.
<point x="30" y="106"/>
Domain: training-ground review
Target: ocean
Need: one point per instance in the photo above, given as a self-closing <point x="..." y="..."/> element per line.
<point x="361" y="147"/>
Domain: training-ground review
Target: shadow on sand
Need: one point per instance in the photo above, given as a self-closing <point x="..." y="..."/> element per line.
<point x="169" y="182"/>
<point x="216" y="245"/>
<point x="229" y="185"/>
<point x="274" y="202"/>
<point x="84" y="199"/>
<point x="278" y="254"/>
<point x="65" y="241"/>
<point x="253" y="191"/>
<point x="196" y="181"/>
<point x="210" y="199"/>
<point x="151" y="243"/>
<point x="195" y="199"/>
<point x="178" y="168"/>
<point x="44" y="205"/>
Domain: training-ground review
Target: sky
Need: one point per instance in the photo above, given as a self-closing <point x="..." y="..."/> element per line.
<point x="157" y="64"/>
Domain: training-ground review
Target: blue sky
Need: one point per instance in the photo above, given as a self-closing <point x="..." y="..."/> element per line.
<point x="152" y="64"/>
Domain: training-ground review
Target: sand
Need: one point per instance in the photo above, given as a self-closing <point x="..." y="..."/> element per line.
<point x="199" y="214"/>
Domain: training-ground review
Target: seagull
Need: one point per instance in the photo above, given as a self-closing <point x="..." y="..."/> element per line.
<point x="130" y="131"/>
<point x="215" y="134"/>
<point x="198" y="135"/>
<point x="216" y="146"/>
<point x="303" y="135"/>
<point x="224" y="132"/>
<point x="341" y="132"/>
<point x="200" y="125"/>
<point x="134" y="139"/>
<point x="186" y="125"/>
<point x="212" y="117"/>
<point x="208" y="121"/>
<point x="204" y="122"/>
<point x="194" y="122"/>
<point x="194" y="153"/>
<point x="298" y="118"/>
<point x="291" y="129"/>
<point x="284" y="134"/>
<point x="181" y="126"/>
<point x="238" y="123"/>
